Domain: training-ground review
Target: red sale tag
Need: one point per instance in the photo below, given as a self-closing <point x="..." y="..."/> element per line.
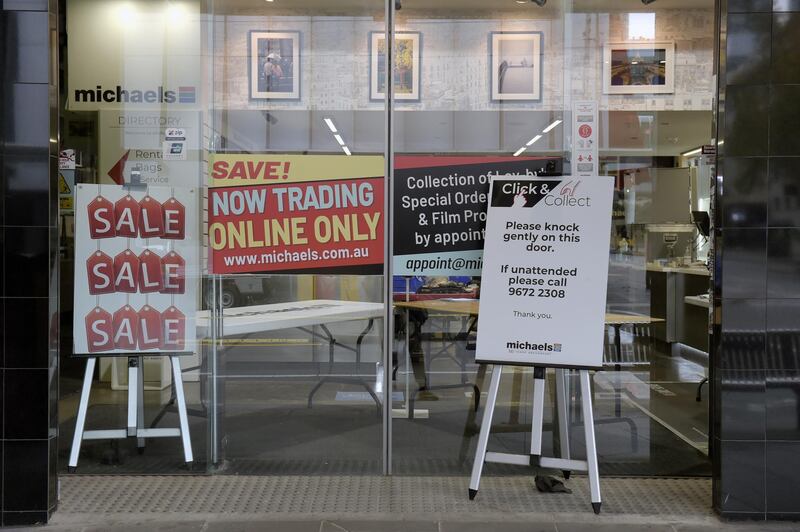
<point x="99" y="330"/>
<point x="100" y="273"/>
<point x="151" y="222"/>
<point x="126" y="213"/>
<point x="101" y="218"/>
<point x="174" y="274"/>
<point x="150" y="275"/>
<point x="149" y="328"/>
<point x="174" y="219"/>
<point x="126" y="272"/>
<point x="174" y="329"/>
<point x="126" y="328"/>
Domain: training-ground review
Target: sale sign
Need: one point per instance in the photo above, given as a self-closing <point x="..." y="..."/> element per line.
<point x="136" y="266"/>
<point x="284" y="224"/>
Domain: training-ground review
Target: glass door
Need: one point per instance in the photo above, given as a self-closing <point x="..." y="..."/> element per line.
<point x="553" y="88"/>
<point x="296" y="242"/>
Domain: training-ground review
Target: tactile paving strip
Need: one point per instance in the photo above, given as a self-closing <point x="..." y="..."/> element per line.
<point x="365" y="496"/>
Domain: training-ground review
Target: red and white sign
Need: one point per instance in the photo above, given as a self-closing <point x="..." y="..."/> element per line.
<point x="319" y="224"/>
<point x="136" y="290"/>
<point x="584" y="139"/>
<point x="66" y="159"/>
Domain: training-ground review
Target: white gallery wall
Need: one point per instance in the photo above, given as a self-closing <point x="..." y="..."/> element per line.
<point x="174" y="44"/>
<point x="455" y="61"/>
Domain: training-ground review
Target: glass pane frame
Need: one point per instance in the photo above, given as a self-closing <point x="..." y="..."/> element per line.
<point x="321" y="123"/>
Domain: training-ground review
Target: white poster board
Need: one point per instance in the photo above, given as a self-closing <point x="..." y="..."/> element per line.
<point x="543" y="290"/>
<point x="136" y="270"/>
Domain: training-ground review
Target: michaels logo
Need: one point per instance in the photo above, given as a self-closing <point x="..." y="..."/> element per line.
<point x="120" y="95"/>
<point x="527" y="346"/>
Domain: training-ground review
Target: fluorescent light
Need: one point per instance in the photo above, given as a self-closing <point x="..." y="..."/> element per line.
<point x="330" y="125"/>
<point x="551" y="126"/>
<point x="175" y="13"/>
<point x="339" y="139"/>
<point x="720" y="143"/>
<point x="346" y="150"/>
<point x="522" y="149"/>
<point x="127" y="13"/>
<point x="534" y="139"/>
<point x="692" y="152"/>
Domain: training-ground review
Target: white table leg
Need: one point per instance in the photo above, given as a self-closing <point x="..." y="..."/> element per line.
<point x="140" y="404"/>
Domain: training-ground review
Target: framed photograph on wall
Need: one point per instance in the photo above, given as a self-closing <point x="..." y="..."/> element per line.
<point x="274" y="65"/>
<point x="515" y="62"/>
<point x="408" y="54"/>
<point x="639" y="68"/>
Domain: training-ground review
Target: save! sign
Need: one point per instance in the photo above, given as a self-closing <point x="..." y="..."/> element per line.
<point x="314" y="212"/>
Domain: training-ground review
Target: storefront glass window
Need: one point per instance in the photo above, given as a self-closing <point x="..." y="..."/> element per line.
<point x="272" y="117"/>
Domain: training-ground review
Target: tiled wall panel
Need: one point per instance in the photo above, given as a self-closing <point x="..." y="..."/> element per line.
<point x="28" y="275"/>
<point x="757" y="303"/>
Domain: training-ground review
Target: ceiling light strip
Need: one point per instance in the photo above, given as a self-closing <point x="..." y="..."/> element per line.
<point x="534" y="139"/>
<point x="551" y="126"/>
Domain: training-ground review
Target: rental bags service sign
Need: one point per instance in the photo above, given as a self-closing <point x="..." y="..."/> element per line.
<point x="135" y="270"/>
<point x="271" y="213"/>
<point x="545" y="271"/>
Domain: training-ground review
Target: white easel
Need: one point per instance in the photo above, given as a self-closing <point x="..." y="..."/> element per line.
<point x="135" y="427"/>
<point x="535" y="457"/>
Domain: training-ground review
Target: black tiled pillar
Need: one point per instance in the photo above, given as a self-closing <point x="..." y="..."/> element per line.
<point x="756" y="341"/>
<point x="29" y="250"/>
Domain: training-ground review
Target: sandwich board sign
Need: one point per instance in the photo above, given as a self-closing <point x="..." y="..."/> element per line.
<point x="543" y="298"/>
<point x="135" y="294"/>
<point x="545" y="270"/>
